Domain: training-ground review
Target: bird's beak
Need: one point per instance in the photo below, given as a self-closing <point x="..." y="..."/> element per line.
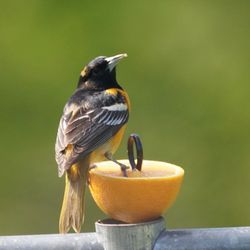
<point x="113" y="60"/>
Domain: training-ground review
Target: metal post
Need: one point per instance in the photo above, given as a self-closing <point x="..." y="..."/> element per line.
<point x="115" y="235"/>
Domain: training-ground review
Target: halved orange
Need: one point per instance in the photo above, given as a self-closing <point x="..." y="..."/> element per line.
<point x="142" y="196"/>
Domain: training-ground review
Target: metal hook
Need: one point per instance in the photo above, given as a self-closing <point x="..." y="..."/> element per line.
<point x="135" y="139"/>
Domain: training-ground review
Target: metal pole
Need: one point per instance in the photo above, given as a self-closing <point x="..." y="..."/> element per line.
<point x="135" y="237"/>
<point x="83" y="241"/>
<point x="205" y="238"/>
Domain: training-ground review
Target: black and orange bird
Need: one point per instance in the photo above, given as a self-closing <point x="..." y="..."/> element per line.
<point x="90" y="130"/>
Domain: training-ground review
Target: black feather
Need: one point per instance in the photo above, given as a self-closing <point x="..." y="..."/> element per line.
<point x="86" y="125"/>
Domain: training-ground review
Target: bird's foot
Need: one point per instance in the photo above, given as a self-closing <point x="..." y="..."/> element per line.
<point x="122" y="166"/>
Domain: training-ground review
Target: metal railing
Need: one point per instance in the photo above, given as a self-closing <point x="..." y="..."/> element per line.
<point x="151" y="235"/>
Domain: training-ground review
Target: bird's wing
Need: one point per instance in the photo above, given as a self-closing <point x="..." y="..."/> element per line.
<point x="87" y="123"/>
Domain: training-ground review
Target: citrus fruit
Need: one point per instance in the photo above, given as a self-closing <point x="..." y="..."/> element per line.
<point x="141" y="196"/>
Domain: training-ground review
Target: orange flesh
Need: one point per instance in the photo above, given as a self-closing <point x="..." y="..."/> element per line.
<point x="136" y="173"/>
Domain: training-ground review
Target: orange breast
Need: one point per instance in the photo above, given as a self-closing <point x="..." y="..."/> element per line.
<point x="110" y="146"/>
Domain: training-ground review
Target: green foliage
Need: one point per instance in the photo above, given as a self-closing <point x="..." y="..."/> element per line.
<point x="188" y="78"/>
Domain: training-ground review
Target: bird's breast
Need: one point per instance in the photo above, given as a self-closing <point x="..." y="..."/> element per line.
<point x="108" y="147"/>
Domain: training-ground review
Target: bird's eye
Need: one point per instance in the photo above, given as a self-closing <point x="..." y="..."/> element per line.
<point x="95" y="71"/>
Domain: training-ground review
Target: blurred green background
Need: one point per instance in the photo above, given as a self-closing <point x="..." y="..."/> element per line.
<point x="187" y="75"/>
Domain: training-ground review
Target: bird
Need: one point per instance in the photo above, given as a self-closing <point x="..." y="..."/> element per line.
<point x="90" y="130"/>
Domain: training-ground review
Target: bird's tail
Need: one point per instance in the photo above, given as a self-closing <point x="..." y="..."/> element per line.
<point x="72" y="212"/>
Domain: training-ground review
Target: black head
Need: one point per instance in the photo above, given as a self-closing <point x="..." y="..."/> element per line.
<point x="100" y="73"/>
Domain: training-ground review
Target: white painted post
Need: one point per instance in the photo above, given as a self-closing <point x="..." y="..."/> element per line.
<point x="114" y="235"/>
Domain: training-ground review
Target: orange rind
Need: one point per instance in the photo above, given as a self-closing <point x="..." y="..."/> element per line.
<point x="141" y="196"/>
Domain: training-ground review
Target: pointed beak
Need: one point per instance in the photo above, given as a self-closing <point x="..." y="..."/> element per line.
<point x="113" y="60"/>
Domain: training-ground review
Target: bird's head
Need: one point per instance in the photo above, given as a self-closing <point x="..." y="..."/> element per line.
<point x="100" y="72"/>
